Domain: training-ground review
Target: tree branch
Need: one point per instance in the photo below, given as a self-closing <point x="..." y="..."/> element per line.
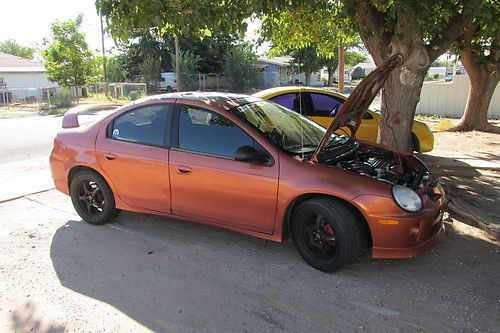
<point x="366" y="12"/>
<point x="451" y="33"/>
<point x="369" y="18"/>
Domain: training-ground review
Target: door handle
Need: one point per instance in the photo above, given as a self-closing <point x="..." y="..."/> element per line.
<point x="183" y="169"/>
<point x="109" y="156"/>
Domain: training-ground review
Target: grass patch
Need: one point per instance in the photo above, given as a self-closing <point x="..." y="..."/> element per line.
<point x="57" y="111"/>
<point x="443" y="125"/>
<point x="98" y="98"/>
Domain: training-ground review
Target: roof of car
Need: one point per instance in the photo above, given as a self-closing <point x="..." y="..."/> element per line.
<point x="288" y="89"/>
<point x="226" y="100"/>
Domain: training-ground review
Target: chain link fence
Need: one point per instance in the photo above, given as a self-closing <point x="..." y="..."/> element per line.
<point x="232" y="83"/>
<point x="26" y="96"/>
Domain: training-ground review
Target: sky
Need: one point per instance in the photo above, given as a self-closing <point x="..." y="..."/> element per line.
<point x="28" y="21"/>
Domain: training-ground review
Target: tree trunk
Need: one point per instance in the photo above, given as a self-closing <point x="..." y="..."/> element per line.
<point x="308" y="78"/>
<point x="398" y="106"/>
<point x="482" y="86"/>
<point x="341" y="66"/>
<point x="177" y="63"/>
<point x="401" y="94"/>
<point x="331" y="71"/>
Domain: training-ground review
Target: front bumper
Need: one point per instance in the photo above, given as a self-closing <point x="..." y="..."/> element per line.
<point x="397" y="234"/>
<point x="409" y="252"/>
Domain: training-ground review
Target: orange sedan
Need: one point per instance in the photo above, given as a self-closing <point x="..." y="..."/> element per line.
<point x="249" y="165"/>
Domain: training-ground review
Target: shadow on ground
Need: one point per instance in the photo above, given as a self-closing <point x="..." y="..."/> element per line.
<point x="178" y="276"/>
<point x="27" y="319"/>
<point x="473" y="193"/>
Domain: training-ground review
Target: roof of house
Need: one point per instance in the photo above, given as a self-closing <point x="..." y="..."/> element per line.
<point x="279" y="61"/>
<point x="13" y="64"/>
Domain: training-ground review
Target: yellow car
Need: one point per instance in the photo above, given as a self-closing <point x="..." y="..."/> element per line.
<point x="321" y="105"/>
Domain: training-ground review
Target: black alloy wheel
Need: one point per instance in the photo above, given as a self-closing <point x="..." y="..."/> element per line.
<point x="92" y="198"/>
<point x="327" y="233"/>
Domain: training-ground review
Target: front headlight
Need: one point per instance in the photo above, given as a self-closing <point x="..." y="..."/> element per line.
<point x="406" y="198"/>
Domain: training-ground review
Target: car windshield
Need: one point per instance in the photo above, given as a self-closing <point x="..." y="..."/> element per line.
<point x="287" y="129"/>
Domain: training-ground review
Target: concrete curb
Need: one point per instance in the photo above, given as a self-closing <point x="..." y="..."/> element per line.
<point x="24" y="195"/>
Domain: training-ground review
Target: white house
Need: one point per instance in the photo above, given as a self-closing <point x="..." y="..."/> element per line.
<point x="22" y="79"/>
<point x="276" y="71"/>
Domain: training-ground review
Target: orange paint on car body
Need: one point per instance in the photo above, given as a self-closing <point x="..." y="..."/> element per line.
<point x="244" y="197"/>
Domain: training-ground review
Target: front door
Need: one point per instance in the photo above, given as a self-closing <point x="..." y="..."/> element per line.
<point x="134" y="155"/>
<point x="208" y="184"/>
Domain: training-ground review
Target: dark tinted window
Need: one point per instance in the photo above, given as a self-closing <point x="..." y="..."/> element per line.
<point x="145" y="125"/>
<point x="210" y="133"/>
<point x="286" y="100"/>
<point x="325" y="105"/>
<point x="292" y="102"/>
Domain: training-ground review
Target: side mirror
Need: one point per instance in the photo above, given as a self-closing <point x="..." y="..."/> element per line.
<point x="250" y="154"/>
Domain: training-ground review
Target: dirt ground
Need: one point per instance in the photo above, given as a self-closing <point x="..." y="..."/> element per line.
<point x="463" y="144"/>
<point x="145" y="273"/>
<point x="469" y="165"/>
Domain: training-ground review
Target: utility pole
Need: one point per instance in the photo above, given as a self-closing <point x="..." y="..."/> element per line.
<point x="177" y="63"/>
<point x="341" y="66"/>
<point x="104" y="58"/>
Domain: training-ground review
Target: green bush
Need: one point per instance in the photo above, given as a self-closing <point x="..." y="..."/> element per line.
<point x="436" y="76"/>
<point x="239" y="67"/>
<point x="189" y="69"/>
<point x="62" y="98"/>
<point x="134" y="94"/>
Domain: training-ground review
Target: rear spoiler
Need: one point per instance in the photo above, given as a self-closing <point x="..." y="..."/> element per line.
<point x="70" y="119"/>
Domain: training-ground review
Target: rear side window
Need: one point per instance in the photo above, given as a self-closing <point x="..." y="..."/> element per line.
<point x="325" y="105"/>
<point x="293" y="102"/>
<point x="208" y="132"/>
<point x="144" y="125"/>
<point x="286" y="100"/>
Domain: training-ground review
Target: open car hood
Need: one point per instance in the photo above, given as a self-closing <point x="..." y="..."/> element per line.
<point x="351" y="113"/>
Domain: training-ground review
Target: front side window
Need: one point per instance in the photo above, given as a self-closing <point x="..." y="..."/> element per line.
<point x="144" y="125"/>
<point x="210" y="133"/>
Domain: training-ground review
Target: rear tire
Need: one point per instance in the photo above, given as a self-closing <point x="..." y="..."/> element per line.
<point x="92" y="198"/>
<point x="327" y="233"/>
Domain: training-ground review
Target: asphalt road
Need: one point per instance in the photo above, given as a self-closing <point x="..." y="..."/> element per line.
<point x="27" y="138"/>
<point x="25" y="145"/>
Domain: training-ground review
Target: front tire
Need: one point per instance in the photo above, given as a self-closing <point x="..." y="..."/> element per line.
<point x="92" y="198"/>
<point x="326" y="233"/>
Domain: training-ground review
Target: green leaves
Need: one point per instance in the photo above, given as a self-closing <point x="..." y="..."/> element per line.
<point x="67" y="58"/>
<point x="10" y="46"/>
<point x="239" y="66"/>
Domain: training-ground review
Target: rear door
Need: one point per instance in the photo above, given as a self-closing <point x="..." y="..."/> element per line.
<point x="133" y="152"/>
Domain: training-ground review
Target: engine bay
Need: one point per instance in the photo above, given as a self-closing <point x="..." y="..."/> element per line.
<point x="377" y="163"/>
